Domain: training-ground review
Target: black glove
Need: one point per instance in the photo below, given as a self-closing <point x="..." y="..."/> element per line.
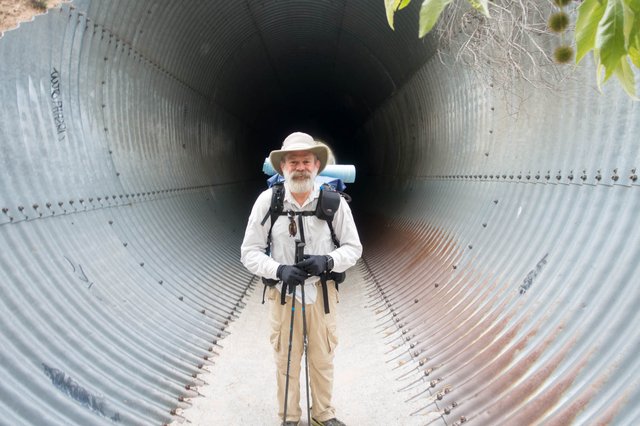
<point x="313" y="264"/>
<point x="291" y="275"/>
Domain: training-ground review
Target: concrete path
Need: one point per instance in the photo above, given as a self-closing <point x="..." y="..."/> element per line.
<point x="240" y="387"/>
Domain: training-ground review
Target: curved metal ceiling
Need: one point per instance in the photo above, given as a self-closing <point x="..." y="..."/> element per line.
<point x="500" y="226"/>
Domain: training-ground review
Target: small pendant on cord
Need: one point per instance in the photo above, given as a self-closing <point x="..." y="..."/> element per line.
<point x="293" y="228"/>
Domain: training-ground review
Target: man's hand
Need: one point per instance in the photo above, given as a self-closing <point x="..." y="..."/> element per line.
<point x="313" y="264"/>
<point x="291" y="275"/>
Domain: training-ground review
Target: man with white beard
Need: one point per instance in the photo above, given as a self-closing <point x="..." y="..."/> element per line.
<point x="299" y="161"/>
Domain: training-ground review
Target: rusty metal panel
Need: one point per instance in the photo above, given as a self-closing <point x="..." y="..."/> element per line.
<point x="505" y="266"/>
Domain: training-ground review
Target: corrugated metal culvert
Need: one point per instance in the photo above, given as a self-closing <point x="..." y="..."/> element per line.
<point x="500" y="222"/>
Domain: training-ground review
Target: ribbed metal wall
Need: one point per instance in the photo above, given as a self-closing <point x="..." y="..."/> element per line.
<point x="502" y="234"/>
<point x="507" y="249"/>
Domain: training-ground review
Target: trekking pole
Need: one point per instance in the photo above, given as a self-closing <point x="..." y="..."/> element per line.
<point x="299" y="257"/>
<point x="286" y="386"/>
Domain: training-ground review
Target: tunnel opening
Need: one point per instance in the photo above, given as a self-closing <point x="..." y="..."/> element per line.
<point x="491" y="214"/>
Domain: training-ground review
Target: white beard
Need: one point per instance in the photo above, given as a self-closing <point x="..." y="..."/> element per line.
<point x="299" y="186"/>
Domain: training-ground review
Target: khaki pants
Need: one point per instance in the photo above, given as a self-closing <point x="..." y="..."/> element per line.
<point x="322" y="341"/>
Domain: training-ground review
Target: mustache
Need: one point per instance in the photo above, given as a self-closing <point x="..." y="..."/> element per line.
<point x="297" y="175"/>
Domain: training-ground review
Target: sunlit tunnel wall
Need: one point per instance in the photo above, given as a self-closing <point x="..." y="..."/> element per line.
<point x="499" y="220"/>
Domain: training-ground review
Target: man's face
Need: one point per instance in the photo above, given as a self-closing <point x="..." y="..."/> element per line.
<point x="300" y="169"/>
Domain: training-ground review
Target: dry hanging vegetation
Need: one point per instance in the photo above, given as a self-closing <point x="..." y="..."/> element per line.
<point x="13" y="12"/>
<point x="509" y="35"/>
<point x="513" y="44"/>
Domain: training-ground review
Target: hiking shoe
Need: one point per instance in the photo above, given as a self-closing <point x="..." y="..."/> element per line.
<point x="330" y="422"/>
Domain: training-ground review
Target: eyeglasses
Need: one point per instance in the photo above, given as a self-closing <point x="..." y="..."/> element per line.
<point x="293" y="228"/>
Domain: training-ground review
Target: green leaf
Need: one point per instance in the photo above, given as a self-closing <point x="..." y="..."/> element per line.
<point x="610" y="40"/>
<point x="429" y="14"/>
<point x="403" y="4"/>
<point x="634" y="53"/>
<point x="481" y="5"/>
<point x="625" y="74"/>
<point x="589" y="14"/>
<point x="633" y="41"/>
<point x="628" y="27"/>
<point x="391" y="6"/>
<point x="634" y="5"/>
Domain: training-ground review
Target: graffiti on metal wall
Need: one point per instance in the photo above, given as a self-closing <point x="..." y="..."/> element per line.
<point x="528" y="281"/>
<point x="70" y="387"/>
<point x="56" y="105"/>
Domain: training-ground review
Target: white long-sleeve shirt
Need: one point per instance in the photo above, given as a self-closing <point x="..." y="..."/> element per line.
<point x="317" y="238"/>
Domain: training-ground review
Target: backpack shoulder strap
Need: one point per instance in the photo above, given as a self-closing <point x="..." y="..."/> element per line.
<point x="275" y="210"/>
<point x="328" y="204"/>
<point x="277" y="203"/>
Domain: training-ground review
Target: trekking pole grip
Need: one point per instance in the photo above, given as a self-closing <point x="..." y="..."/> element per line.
<point x="299" y="251"/>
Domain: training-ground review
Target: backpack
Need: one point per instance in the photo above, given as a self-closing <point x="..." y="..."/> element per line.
<point x="328" y="204"/>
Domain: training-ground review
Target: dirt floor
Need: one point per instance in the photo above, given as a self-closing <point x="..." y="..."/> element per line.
<point x="367" y="387"/>
<point x="12" y="12"/>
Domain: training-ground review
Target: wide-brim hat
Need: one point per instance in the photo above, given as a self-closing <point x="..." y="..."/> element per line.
<point x="299" y="141"/>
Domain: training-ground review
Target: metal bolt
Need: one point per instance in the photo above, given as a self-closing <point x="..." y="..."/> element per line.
<point x="20" y="208"/>
<point x="5" y="210"/>
<point x="447" y="410"/>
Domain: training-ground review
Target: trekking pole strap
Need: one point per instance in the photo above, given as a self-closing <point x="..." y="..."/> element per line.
<point x="325" y="292"/>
